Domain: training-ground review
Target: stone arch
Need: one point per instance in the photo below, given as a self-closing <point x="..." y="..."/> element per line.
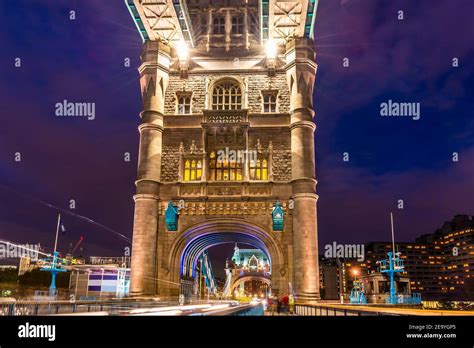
<point x="245" y="279"/>
<point x="236" y="230"/>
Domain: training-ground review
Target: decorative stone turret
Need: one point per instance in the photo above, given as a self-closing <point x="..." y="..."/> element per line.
<point x="301" y="71"/>
<point x="153" y="80"/>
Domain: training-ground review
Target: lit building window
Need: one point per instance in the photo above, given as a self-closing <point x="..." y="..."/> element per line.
<point x="192" y="170"/>
<point x="269" y="102"/>
<point x="259" y="169"/>
<point x="226" y="96"/>
<point x="237" y="25"/>
<point x="224" y="170"/>
<point x="184" y="104"/>
<point x="219" y="25"/>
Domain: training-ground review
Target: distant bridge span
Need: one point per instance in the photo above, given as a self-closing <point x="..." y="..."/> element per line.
<point x="248" y="277"/>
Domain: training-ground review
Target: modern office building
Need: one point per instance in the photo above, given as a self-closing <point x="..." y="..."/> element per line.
<point x="439" y="265"/>
<point x="329" y="278"/>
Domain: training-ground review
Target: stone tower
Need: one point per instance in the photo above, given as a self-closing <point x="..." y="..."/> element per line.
<point x="226" y="140"/>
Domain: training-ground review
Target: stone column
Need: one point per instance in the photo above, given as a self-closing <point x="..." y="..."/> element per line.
<point x="246" y="168"/>
<point x="228" y="29"/>
<point x="270" y="161"/>
<point x="153" y="81"/>
<point x="204" y="153"/>
<point x="301" y="71"/>
<point x="209" y="29"/>
<point x="246" y="28"/>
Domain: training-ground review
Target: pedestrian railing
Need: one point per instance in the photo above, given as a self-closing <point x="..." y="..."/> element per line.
<point x="250" y="310"/>
<point x="325" y="310"/>
<point x="25" y="308"/>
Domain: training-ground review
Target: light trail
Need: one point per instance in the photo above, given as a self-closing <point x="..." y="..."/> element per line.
<point x="165" y="313"/>
<point x="23" y="247"/>
<point x="68" y="267"/>
<point x="163" y="309"/>
<point x="216" y="307"/>
<point x="68" y="212"/>
<point x="163" y="281"/>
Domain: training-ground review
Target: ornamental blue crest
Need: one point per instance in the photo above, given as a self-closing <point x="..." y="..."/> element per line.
<point x="278" y="217"/>
<point x="171" y="217"/>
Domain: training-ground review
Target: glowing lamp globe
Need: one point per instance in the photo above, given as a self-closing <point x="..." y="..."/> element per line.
<point x="182" y="50"/>
<point x="271" y="49"/>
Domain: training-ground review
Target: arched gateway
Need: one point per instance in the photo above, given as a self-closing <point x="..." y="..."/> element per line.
<point x="189" y="245"/>
<point x="226" y="141"/>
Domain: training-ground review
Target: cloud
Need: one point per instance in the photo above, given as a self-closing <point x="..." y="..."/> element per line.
<point x="354" y="203"/>
<point x="386" y="55"/>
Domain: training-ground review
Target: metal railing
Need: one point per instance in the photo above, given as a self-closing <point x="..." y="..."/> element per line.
<point x="26" y="308"/>
<point x="323" y="310"/>
<point x="413" y="299"/>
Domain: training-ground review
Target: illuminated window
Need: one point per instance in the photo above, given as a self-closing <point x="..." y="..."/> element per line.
<point x="269" y="102"/>
<point x="259" y="169"/>
<point x="224" y="170"/>
<point x="192" y="170"/>
<point x="226" y="96"/>
<point x="184" y="104"/>
<point x="219" y="25"/>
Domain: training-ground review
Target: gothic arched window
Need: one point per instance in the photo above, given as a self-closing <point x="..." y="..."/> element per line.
<point x="184" y="104"/>
<point x="192" y="170"/>
<point x="224" y="170"/>
<point x="269" y="101"/>
<point x="226" y="95"/>
<point x="259" y="169"/>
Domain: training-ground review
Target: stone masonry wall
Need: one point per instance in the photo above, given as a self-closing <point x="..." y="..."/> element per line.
<point x="255" y="84"/>
<point x="281" y="150"/>
<point x="170" y="158"/>
<point x="196" y="84"/>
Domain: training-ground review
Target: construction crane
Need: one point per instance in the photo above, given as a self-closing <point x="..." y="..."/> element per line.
<point x="79" y="242"/>
<point x="72" y="250"/>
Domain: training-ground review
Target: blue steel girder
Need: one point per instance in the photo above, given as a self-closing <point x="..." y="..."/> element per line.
<point x="311" y="19"/>
<point x="184" y="21"/>
<point x="137" y="20"/>
<point x="282" y="20"/>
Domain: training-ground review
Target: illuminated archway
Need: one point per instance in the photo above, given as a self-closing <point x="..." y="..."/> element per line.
<point x="201" y="243"/>
<point x="192" y="242"/>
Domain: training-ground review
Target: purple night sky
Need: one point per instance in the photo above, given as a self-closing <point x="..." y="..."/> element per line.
<point x="390" y="158"/>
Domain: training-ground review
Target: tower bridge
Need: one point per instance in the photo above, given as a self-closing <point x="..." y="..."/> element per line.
<point x="219" y="75"/>
<point x="246" y="265"/>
